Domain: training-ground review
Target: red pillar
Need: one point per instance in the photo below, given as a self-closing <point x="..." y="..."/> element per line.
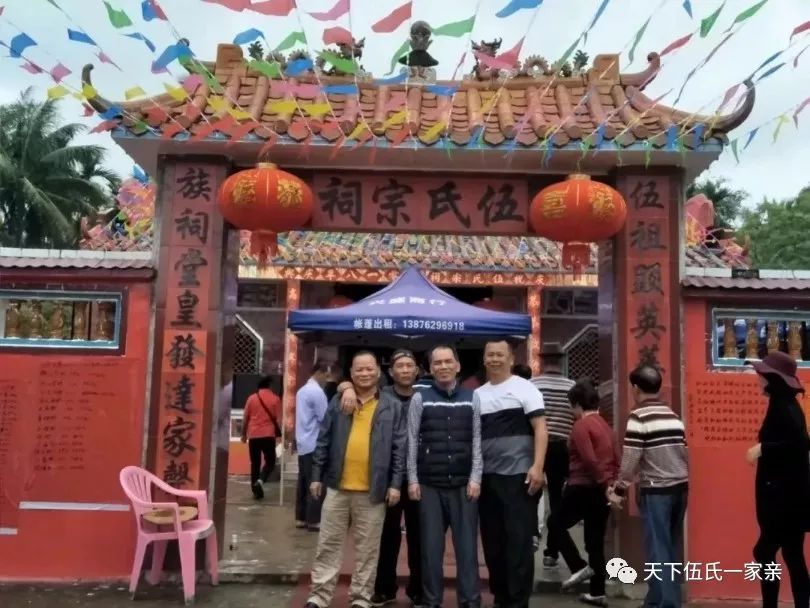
<point x="643" y="296"/>
<point x="533" y="305"/>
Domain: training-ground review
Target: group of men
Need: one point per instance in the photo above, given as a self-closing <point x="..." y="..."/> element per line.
<point x="446" y="456"/>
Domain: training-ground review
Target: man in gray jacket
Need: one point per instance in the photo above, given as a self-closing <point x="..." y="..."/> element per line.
<point x="361" y="459"/>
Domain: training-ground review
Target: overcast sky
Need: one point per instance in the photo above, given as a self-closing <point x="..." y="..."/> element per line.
<point x="776" y="170"/>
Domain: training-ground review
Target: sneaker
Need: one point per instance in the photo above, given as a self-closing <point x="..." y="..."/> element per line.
<point x="549" y="562"/>
<point x="593" y="600"/>
<point x="380" y="599"/>
<point x="580" y="576"/>
<point x="258" y="490"/>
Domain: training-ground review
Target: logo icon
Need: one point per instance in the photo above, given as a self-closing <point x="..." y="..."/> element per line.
<point x="619" y="568"/>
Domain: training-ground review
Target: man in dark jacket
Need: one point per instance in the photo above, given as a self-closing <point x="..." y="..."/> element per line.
<point x="361" y="459"/>
<point x="444" y="475"/>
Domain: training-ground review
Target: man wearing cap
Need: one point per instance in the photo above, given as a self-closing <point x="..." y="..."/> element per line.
<point x="655" y="454"/>
<point x="554" y="387"/>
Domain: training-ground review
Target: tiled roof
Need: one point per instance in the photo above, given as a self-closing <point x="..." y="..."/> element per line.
<point x="522" y="109"/>
<point x="764" y="284"/>
<point x="446" y="252"/>
<point x="701" y="256"/>
<point x="76" y="259"/>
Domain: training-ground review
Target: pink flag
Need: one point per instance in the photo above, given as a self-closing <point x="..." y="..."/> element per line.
<point x="191" y="83"/>
<point x="800" y="28"/>
<point x="337" y="11"/>
<point x="801" y="107"/>
<point x="396" y="102"/>
<point x="676" y="45"/>
<point x="31" y="68"/>
<point x="103" y="58"/>
<point x="337" y="35"/>
<point x="729" y="95"/>
<point x="2" y="8"/>
<point x="796" y="60"/>
<point x="504" y="61"/>
<point x="234" y="5"/>
<point x="280" y="88"/>
<point x="275" y="8"/>
<point x="88" y="110"/>
<point x="107" y="125"/>
<point x="59" y="72"/>
<point x="398" y="16"/>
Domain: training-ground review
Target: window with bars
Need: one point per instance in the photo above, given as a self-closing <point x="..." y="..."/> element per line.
<point x="60" y="319"/>
<point x="742" y="335"/>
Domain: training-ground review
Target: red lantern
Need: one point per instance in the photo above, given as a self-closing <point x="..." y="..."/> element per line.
<point x="577" y="212"/>
<point x="266" y="201"/>
<point x="338" y="301"/>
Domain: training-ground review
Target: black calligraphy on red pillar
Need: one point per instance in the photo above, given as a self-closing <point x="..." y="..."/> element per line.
<point x="194" y="184"/>
<point x="183" y="352"/>
<point x="177" y="437"/>
<point x="647" y="278"/>
<point x="646" y="236"/>
<point x="187" y="303"/>
<point x="343" y="199"/>
<point x="500" y="206"/>
<point x="445" y="199"/>
<point x="646" y="196"/>
<point x="177" y="474"/>
<point x="179" y="395"/>
<point x="188" y="265"/>
<point x="391" y="201"/>
<point x="193" y="224"/>
<point x="647" y="322"/>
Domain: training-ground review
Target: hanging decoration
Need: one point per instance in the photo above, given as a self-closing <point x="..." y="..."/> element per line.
<point x="576" y="212"/>
<point x="266" y="201"/>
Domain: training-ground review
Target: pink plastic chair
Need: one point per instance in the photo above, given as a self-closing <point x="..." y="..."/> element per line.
<point x="137" y="484"/>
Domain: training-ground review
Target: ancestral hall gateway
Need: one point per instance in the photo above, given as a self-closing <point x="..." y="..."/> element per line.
<point x="414" y="156"/>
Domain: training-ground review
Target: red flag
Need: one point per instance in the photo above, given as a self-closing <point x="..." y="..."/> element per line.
<point x="337" y="35"/>
<point x="275" y="8"/>
<point x="504" y="61"/>
<point x="800" y="28"/>
<point x="171" y="129"/>
<point x="202" y="131"/>
<point x="271" y="141"/>
<point x="398" y="16"/>
<point x="337" y="11"/>
<point x="676" y="45"/>
<point x="107" y="125"/>
<point x="400" y="136"/>
<point x="234" y="5"/>
<point x="241" y="130"/>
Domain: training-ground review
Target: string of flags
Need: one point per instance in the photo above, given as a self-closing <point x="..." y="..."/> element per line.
<point x="230" y="114"/>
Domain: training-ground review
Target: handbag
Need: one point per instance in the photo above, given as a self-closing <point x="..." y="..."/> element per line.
<point x="270" y="415"/>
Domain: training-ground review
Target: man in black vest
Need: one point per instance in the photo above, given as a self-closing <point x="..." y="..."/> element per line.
<point x="444" y="475"/>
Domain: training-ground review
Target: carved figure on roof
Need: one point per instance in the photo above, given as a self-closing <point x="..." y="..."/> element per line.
<point x="353" y="51"/>
<point x="418" y="60"/>
<point x="483" y="72"/>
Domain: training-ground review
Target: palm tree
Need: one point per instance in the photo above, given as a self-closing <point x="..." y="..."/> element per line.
<point x="47" y="184"/>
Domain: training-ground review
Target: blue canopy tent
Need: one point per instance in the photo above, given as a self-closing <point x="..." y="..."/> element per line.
<point x="411" y="310"/>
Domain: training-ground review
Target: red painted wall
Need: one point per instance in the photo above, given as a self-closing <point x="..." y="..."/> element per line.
<point x="71" y="544"/>
<point x="721" y="521"/>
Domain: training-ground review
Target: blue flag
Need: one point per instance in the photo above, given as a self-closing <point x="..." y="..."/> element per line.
<point x="137" y="36"/>
<point x="341" y="89"/>
<point x="516" y="5"/>
<point x="172" y="53"/>
<point x="80" y="37"/>
<point x="299" y="66"/>
<point x="19" y="43"/>
<point x="247" y="36"/>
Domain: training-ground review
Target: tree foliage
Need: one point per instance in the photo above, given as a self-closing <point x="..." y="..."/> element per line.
<point x="728" y="202"/>
<point x="778" y="232"/>
<point x="47" y="183"/>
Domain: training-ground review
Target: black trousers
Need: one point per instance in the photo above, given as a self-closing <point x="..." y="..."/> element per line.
<point x="556" y="470"/>
<point x="307" y="508"/>
<point x="508" y="521"/>
<point x="257" y="447"/>
<point x="580" y="503"/>
<point x="792" y="544"/>
<point x="390" y="543"/>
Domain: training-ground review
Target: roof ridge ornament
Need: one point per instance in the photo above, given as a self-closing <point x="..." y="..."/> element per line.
<point x="419" y="63"/>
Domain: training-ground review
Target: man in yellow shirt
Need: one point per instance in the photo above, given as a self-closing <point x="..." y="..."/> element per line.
<point x="360" y="458"/>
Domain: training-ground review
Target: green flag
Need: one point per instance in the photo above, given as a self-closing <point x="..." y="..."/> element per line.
<point x="782" y="120"/>
<point x="749" y="12"/>
<point x="271" y="70"/>
<point x="291" y="40"/>
<point x="118" y="19"/>
<point x="455" y="29"/>
<point x="708" y="23"/>
<point x="568" y="53"/>
<point x="399" y="53"/>
<point x="734" y="151"/>
<point x="637" y="39"/>
<point x="347" y="66"/>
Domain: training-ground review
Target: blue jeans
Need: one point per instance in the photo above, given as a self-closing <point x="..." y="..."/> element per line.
<point x="662" y="516"/>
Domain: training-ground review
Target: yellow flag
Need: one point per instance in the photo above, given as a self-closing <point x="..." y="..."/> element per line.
<point x="435" y="130"/>
<point x="316" y="110"/>
<point x="358" y="130"/>
<point x="216" y="102"/>
<point x="133" y="93"/>
<point x="240" y="114"/>
<point x="395" y="119"/>
<point x="280" y="107"/>
<point x="57" y="92"/>
<point x="88" y="91"/>
<point x="177" y="93"/>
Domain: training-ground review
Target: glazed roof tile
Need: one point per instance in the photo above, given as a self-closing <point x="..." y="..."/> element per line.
<point x="598" y="104"/>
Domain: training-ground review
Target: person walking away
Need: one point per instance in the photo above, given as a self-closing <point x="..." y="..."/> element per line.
<point x="513" y="445"/>
<point x="554" y="387"/>
<point x="444" y="476"/>
<point x="361" y="460"/>
<point x="261" y="431"/>
<point x="310" y="409"/>
<point x="593" y="467"/>
<point x="654" y="452"/>
<point x="782" y="487"/>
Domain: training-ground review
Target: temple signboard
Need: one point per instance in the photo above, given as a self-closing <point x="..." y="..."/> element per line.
<point x="405" y="203"/>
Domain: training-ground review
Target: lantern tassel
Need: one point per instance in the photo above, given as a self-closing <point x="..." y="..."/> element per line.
<point x="576" y="256"/>
<point x="263" y="245"/>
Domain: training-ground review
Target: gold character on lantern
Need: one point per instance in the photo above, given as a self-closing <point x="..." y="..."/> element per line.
<point x="244" y="193"/>
<point x="290" y="194"/>
<point x="602" y="205"/>
<point x="553" y="205"/>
